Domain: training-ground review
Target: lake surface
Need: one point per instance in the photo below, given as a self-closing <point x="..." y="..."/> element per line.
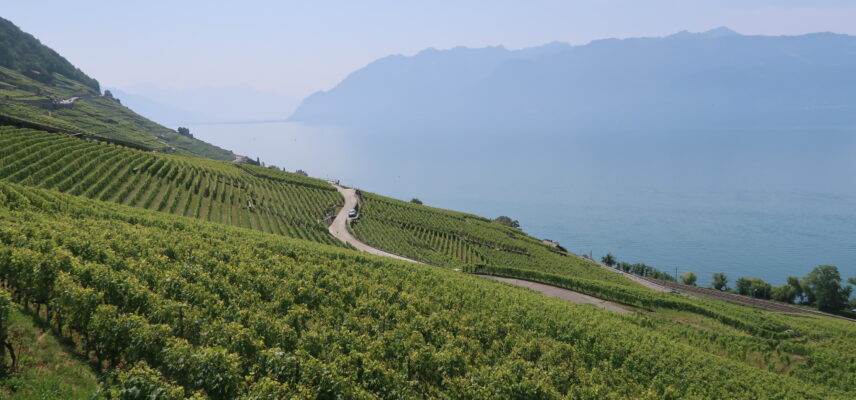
<point x="760" y="203"/>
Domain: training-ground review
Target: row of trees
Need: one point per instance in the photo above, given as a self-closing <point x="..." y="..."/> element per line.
<point x="822" y="288"/>
<point x="640" y="269"/>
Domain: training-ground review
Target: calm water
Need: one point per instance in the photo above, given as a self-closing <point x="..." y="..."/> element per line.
<point x="759" y="203"/>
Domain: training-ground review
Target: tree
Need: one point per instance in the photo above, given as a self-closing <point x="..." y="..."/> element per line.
<point x="784" y="293"/>
<point x="609" y="260"/>
<point x="824" y="287"/>
<point x="508" y="221"/>
<point x="301" y="172"/>
<point x="689" y="278"/>
<point x="184" y="131"/>
<point x="794" y="282"/>
<point x="755" y="287"/>
<point x="720" y="281"/>
<point x="415" y="201"/>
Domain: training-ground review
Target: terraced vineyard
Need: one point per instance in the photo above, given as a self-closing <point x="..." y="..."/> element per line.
<point x="183" y="307"/>
<point x="481" y="246"/>
<point x="246" y="196"/>
<point x="34" y="103"/>
<point x="449" y="238"/>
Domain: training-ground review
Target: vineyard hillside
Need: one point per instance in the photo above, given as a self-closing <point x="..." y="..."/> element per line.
<point x="133" y="268"/>
<point x="40" y="88"/>
<point x="230" y="193"/>
<point x="173" y="307"/>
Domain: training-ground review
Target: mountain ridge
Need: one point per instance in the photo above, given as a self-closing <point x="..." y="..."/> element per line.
<point x="718" y="78"/>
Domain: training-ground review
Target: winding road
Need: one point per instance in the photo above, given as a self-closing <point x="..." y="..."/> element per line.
<point x="339" y="230"/>
<point x="561" y="293"/>
<point x="339" y="227"/>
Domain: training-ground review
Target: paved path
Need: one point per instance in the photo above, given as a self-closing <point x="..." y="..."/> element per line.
<point x="339" y="230"/>
<point x="554" y="291"/>
<point x="339" y="227"/>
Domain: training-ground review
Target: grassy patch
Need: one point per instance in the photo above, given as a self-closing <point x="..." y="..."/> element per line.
<point x="47" y="369"/>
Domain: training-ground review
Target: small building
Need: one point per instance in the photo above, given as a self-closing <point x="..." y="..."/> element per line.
<point x="549" y="242"/>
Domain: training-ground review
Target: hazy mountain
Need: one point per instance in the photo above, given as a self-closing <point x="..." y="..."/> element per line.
<point x="717" y="78"/>
<point x="207" y="104"/>
<point x="168" y="115"/>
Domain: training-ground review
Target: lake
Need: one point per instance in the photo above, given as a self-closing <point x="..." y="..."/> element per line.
<point x="757" y="203"/>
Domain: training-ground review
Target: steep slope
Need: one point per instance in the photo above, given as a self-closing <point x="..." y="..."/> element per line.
<point x="21" y="52"/>
<point x="179" y="306"/>
<point x="46" y="368"/>
<point x="712" y="79"/>
<point x="39" y="87"/>
<point x="230" y="193"/>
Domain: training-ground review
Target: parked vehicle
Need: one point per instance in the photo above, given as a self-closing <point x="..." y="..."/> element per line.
<point x="352" y="213"/>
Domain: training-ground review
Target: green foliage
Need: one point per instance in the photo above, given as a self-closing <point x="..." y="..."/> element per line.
<point x="453" y="239"/>
<point x="415" y="201"/>
<point x="172" y="304"/>
<point x="609" y="260"/>
<point x="46" y="369"/>
<point x="5" y="314"/>
<point x="507" y="221"/>
<point x="823" y="285"/>
<point x="140" y="382"/>
<point x="66" y="105"/>
<point x="784" y="293"/>
<point x="755" y="287"/>
<point x="645" y="270"/>
<point x="251" y="197"/>
<point x="795" y="283"/>
<point x="24" y="53"/>
<point x="720" y="281"/>
<point x="689" y="278"/>
<point x="40" y="88"/>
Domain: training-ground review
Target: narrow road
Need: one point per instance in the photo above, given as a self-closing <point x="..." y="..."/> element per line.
<point x="339" y="230"/>
<point x="339" y="227"/>
<point x="565" y="294"/>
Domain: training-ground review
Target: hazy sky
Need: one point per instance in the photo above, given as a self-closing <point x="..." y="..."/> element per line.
<point x="298" y="47"/>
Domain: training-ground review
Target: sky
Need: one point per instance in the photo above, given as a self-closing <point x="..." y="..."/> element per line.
<point x="295" y="48"/>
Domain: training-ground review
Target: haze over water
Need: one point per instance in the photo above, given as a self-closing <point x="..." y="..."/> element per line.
<point x="748" y="203"/>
